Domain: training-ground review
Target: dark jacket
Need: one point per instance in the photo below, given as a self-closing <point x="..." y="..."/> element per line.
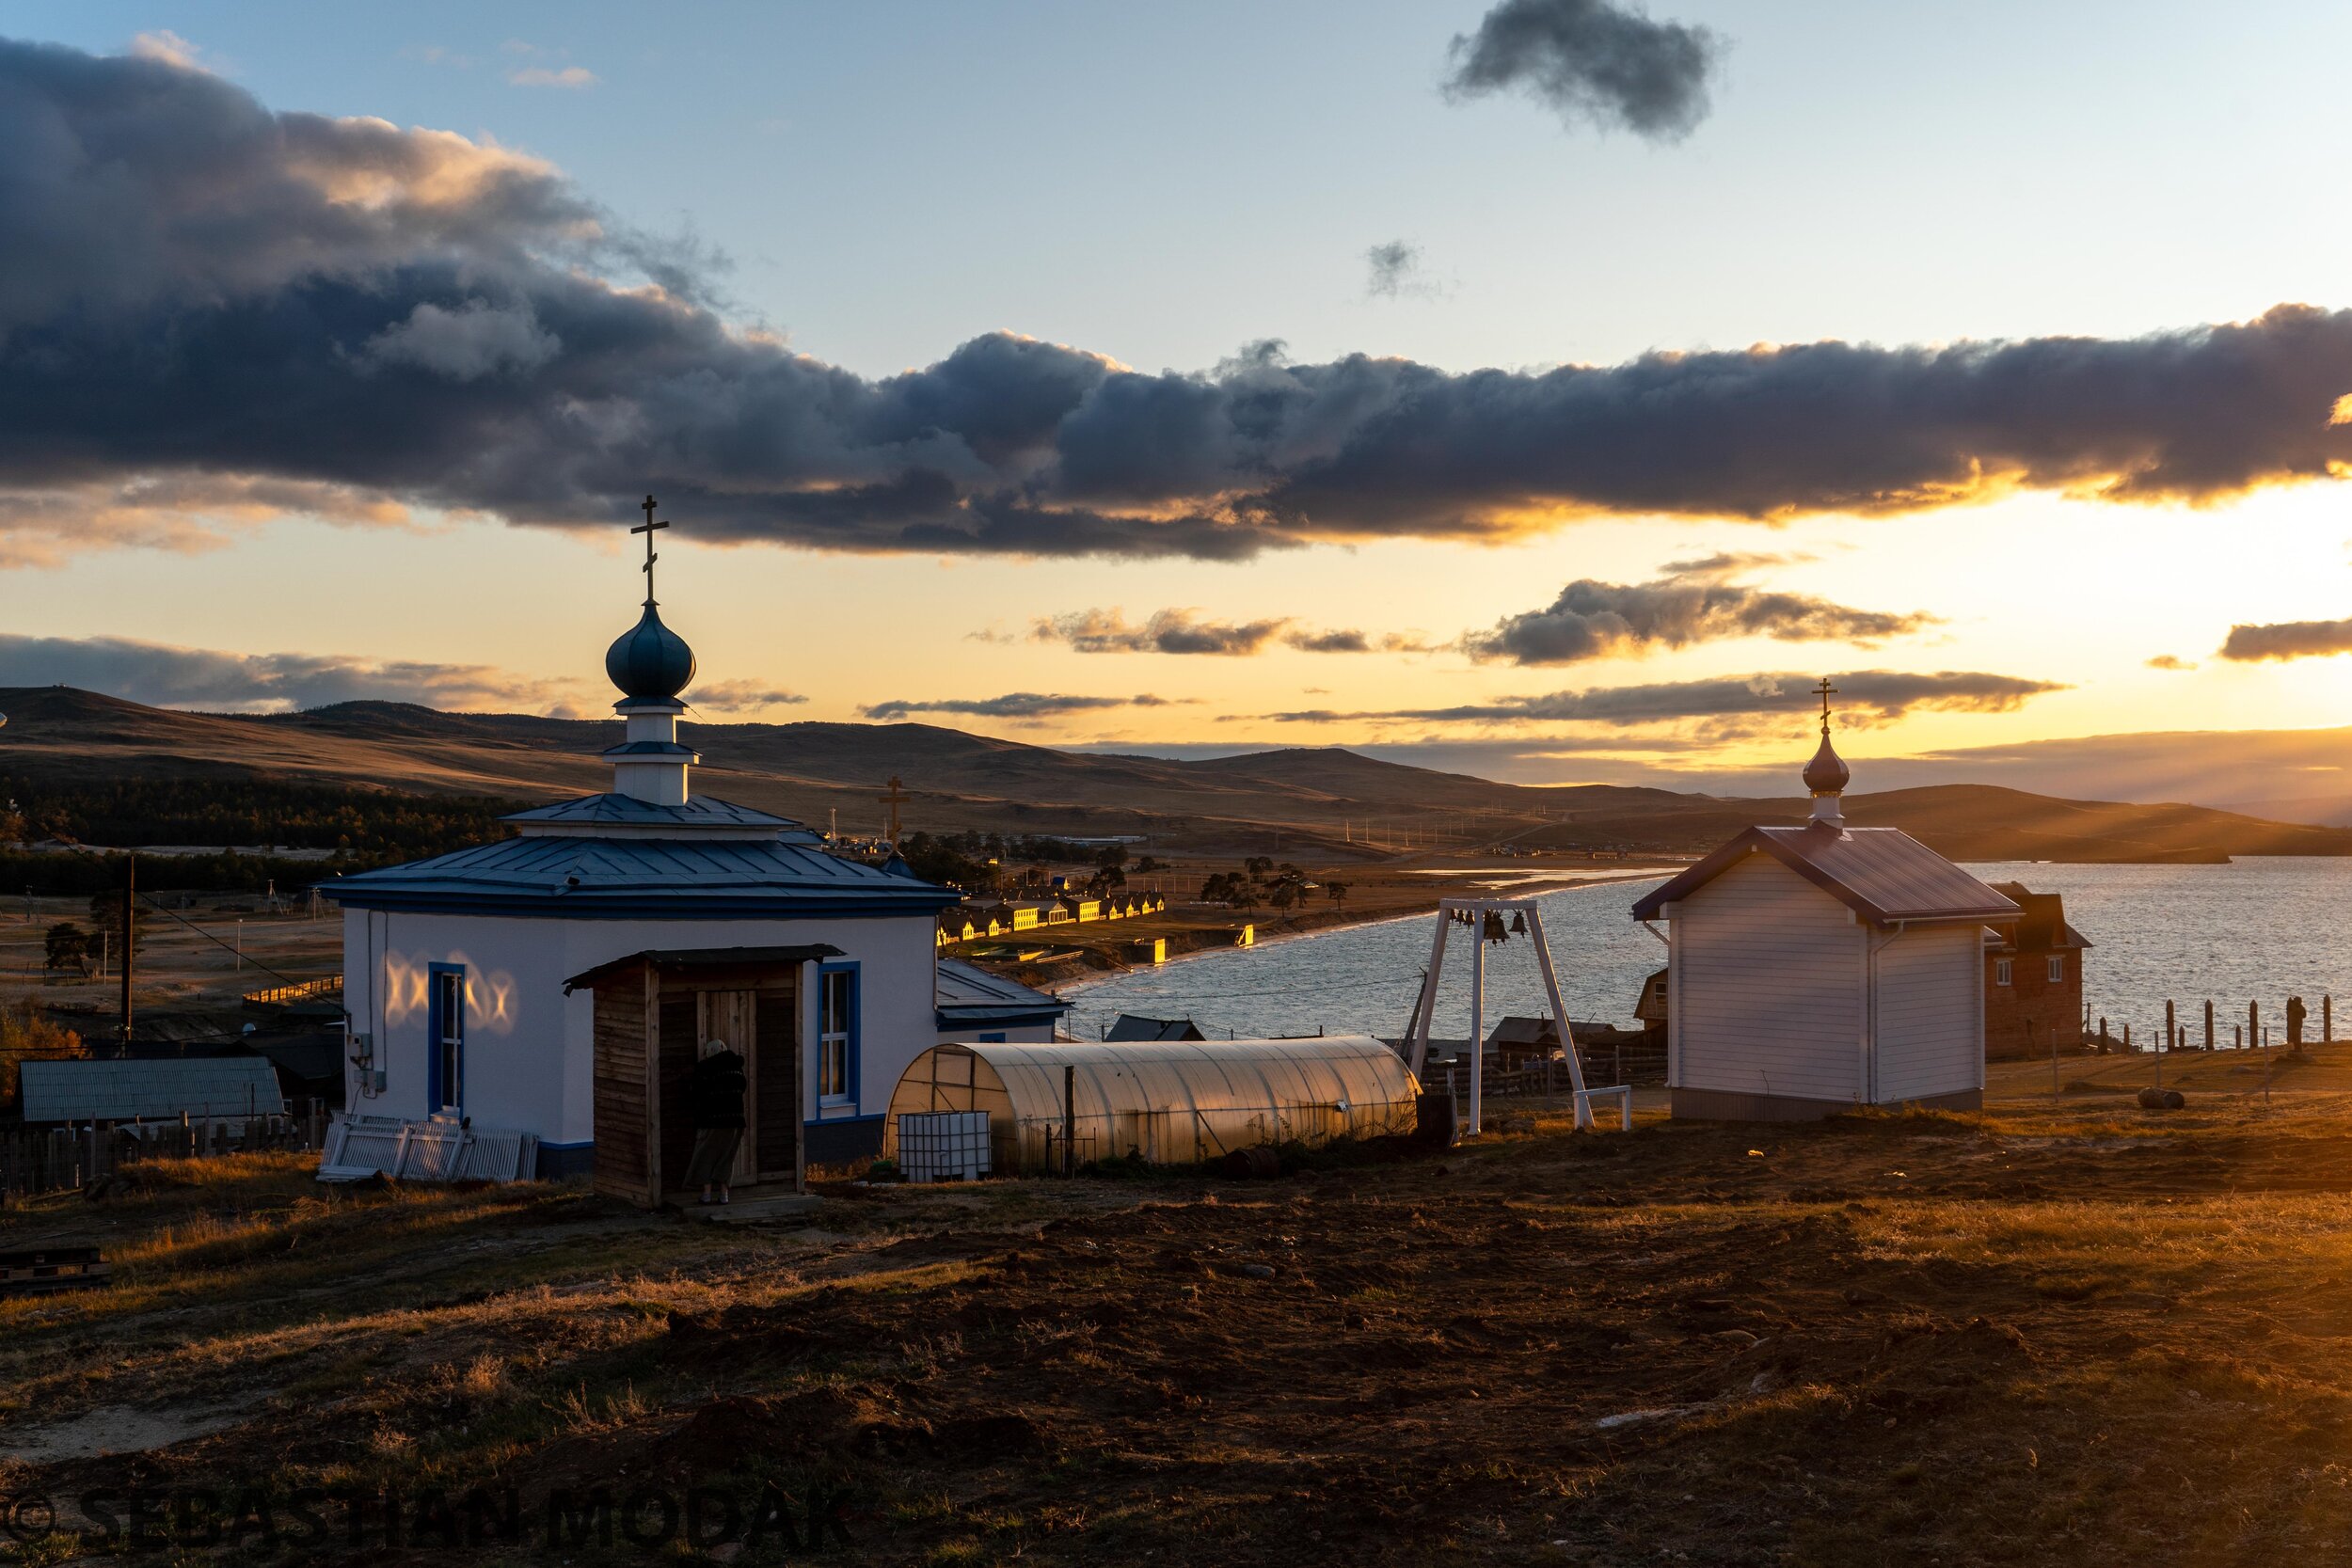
<point x="714" y="1095"/>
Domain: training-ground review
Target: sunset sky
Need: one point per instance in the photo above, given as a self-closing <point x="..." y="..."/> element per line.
<point x="1976" y="356"/>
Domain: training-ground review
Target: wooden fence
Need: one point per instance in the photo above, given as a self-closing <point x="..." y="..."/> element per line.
<point x="1604" y="1065"/>
<point x="35" y="1160"/>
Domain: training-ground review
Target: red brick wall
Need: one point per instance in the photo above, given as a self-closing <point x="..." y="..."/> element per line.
<point x="2020" y="1016"/>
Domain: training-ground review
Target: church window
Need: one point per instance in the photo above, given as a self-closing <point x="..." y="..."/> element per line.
<point x="836" y="1034"/>
<point x="2000" y="972"/>
<point x="2058" y="968"/>
<point x="445" y="1028"/>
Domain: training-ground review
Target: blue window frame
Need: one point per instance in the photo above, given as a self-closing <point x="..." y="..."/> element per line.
<point x="445" y="1037"/>
<point x="997" y="1039"/>
<point x="837" y="1010"/>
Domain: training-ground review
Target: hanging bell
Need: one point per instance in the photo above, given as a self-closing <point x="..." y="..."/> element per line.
<point x="1519" y="923"/>
<point x="1494" y="931"/>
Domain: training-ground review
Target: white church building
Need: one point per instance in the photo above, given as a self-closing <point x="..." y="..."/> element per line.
<point x="1812" y="969"/>
<point x="456" y="968"/>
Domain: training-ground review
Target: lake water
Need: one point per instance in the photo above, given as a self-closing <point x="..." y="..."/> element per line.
<point x="2264" y="929"/>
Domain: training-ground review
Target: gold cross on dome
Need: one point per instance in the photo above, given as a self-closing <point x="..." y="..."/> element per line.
<point x="1825" y="691"/>
<point x="647" y="528"/>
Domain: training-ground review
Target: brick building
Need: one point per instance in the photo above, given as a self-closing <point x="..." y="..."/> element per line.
<point x="2033" y="978"/>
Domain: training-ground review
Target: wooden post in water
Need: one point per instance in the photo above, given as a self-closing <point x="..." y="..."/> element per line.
<point x="2172" y="1039"/>
<point x="2209" y="1024"/>
<point x="2254" y="1034"/>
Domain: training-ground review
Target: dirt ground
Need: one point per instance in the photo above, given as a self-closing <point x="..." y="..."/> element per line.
<point x="2062" y="1330"/>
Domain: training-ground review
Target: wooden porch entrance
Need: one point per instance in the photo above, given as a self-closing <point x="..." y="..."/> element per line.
<point x="653" y="1012"/>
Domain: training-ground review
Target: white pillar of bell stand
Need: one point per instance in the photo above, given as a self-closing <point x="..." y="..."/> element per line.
<point x="1418" y="1054"/>
<point x="1478" y="1019"/>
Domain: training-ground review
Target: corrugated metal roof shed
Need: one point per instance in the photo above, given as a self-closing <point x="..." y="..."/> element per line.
<point x="1134" y="1027"/>
<point x="1882" y="874"/>
<point x="158" y="1089"/>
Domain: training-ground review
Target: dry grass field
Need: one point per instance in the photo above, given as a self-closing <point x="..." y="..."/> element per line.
<point x="2065" y="1330"/>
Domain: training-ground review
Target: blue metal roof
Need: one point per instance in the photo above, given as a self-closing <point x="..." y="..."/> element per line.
<point x="969" y="997"/>
<point x="628" y="811"/>
<point x="583" y="877"/>
<point x="125" y="1089"/>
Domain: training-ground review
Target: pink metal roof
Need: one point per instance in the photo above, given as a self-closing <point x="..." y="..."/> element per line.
<point x="1882" y="874"/>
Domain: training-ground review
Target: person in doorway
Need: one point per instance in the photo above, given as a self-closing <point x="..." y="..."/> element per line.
<point x="714" y="1102"/>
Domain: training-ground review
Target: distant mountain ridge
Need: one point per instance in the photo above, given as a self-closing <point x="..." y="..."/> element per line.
<point x="1320" y="796"/>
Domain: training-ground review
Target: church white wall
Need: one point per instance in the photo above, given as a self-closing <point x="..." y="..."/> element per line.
<point x="1769" y="987"/>
<point x="1011" y="1034"/>
<point x="527" y="1047"/>
<point x="1931" y="1020"/>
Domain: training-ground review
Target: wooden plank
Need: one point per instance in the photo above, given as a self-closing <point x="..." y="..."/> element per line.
<point x="775" y="1099"/>
<point x="619" y="1079"/>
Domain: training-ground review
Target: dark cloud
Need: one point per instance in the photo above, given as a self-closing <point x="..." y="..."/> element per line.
<point x="201" y="300"/>
<point x="740" y="697"/>
<point x="1865" y="697"/>
<point x="1183" y="631"/>
<point x="1590" y="61"/>
<point x="162" y="676"/>
<point x="1168" y="631"/>
<point x="2287" y="640"/>
<point x="1020" y="705"/>
<point x="1694" y="601"/>
<point x="1397" y="273"/>
<point x="1348" y="639"/>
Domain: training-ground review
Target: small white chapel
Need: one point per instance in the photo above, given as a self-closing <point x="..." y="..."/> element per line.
<point x="469" y="979"/>
<point x="1813" y="969"/>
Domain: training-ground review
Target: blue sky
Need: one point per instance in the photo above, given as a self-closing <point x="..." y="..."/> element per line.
<point x="1165" y="186"/>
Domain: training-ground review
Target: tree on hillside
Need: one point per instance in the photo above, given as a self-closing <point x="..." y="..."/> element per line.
<point x="66" y="946"/>
<point x="1336" y="891"/>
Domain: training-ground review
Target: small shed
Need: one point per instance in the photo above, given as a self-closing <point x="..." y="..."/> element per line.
<point x="1815" y="968"/>
<point x="1130" y="1028"/>
<point x="205" y="1089"/>
<point x="653" y="1012"/>
<point x="1175" y="1103"/>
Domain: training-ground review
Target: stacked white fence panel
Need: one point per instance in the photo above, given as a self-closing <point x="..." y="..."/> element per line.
<point x="439" y="1149"/>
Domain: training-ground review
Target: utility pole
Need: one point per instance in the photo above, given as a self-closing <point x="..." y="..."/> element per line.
<point x="130" y="901"/>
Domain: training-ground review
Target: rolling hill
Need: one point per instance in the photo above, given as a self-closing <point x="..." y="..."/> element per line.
<point x="1324" y="796"/>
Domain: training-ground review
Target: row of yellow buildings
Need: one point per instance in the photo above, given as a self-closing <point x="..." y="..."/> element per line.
<point x="970" y="921"/>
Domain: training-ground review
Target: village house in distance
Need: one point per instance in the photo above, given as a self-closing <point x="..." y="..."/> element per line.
<point x="472" y="978"/>
<point x="2033" y="977"/>
<point x="1812" y="969"/>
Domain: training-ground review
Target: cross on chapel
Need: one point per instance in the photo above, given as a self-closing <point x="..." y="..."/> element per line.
<point x="1825" y="691"/>
<point x="648" y="528"/>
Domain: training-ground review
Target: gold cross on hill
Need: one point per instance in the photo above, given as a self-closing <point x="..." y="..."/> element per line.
<point x="648" y="528"/>
<point x="894" y="800"/>
<point x="1825" y="691"/>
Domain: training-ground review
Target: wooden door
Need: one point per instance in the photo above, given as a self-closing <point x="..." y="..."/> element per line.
<point x="775" y="1097"/>
<point x="728" y="1016"/>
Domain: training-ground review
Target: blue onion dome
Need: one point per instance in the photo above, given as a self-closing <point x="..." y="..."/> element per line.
<point x="649" y="661"/>
<point x="1827" y="773"/>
